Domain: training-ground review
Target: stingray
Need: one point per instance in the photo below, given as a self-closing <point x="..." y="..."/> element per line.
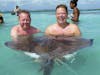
<point x="51" y="49"/>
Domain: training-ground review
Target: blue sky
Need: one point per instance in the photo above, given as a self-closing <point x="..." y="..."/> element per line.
<point x="6" y="5"/>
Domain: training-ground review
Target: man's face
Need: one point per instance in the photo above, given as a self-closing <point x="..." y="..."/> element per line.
<point x="61" y="15"/>
<point x="24" y="21"/>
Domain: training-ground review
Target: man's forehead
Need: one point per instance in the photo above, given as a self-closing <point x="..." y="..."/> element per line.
<point x="23" y="14"/>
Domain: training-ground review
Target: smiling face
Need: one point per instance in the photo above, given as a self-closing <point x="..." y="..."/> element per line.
<point x="24" y="21"/>
<point x="61" y="15"/>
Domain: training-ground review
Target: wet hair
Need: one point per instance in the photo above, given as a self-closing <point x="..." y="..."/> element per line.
<point x="24" y="11"/>
<point x="17" y="6"/>
<point x="62" y="6"/>
<point x="74" y="2"/>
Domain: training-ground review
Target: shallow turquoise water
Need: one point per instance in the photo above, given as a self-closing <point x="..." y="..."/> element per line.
<point x="17" y="63"/>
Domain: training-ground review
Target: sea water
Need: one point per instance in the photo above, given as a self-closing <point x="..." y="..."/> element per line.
<point x="87" y="60"/>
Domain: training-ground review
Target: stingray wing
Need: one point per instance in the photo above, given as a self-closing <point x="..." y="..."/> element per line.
<point x="46" y="44"/>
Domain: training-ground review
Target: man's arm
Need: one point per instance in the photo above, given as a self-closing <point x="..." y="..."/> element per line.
<point x="77" y="31"/>
<point x="47" y="31"/>
<point x="14" y="34"/>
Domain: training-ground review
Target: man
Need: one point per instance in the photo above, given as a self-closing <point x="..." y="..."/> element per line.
<point x="22" y="35"/>
<point x="62" y="27"/>
<point x="76" y="12"/>
<point x="23" y="30"/>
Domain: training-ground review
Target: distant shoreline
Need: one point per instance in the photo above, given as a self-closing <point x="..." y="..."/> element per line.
<point x="53" y="10"/>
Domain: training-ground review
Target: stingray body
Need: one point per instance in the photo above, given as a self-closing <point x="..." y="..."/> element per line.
<point x="50" y="49"/>
<point x="62" y="46"/>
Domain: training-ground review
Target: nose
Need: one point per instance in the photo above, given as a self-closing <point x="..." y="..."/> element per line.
<point x="60" y="14"/>
<point x="25" y="21"/>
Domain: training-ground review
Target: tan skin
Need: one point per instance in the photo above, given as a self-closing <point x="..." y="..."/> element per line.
<point x="62" y="28"/>
<point x="22" y="35"/>
<point x="76" y="12"/>
<point x="23" y="28"/>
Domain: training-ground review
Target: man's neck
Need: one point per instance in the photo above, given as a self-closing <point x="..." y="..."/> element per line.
<point x="63" y="25"/>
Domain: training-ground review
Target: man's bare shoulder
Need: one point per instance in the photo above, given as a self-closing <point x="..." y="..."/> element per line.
<point x="73" y="25"/>
<point x="50" y="29"/>
<point x="51" y="26"/>
<point x="14" y="28"/>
